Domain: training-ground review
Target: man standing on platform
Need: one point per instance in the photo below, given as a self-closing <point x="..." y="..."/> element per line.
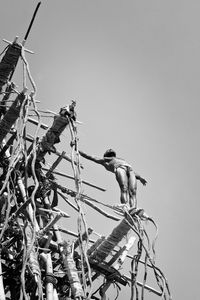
<point x="126" y="178"/>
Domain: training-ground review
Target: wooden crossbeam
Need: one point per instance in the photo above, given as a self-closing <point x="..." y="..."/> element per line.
<point x="55" y="164"/>
<point x="35" y="122"/>
<point x="71" y="177"/>
<point x="147" y="287"/>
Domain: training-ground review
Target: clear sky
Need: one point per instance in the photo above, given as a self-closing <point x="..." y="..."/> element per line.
<point x="133" y="67"/>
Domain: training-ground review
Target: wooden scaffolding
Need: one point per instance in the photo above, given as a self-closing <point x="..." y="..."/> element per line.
<point x="39" y="259"/>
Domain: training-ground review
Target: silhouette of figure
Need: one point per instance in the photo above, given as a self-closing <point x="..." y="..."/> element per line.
<point x="126" y="178"/>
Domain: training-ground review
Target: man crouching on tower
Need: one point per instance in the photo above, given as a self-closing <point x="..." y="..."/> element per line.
<point x="126" y="178"/>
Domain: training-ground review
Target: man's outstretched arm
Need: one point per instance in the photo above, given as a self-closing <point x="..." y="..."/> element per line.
<point x="92" y="158"/>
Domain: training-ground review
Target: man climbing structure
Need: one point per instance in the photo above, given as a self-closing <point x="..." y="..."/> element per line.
<point x="126" y="178"/>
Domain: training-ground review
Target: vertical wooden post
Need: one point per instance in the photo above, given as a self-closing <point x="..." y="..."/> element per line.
<point x="71" y="271"/>
<point x="2" y="292"/>
<point x="49" y="270"/>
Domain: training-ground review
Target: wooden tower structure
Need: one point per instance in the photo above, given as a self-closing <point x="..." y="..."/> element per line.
<point x="38" y="258"/>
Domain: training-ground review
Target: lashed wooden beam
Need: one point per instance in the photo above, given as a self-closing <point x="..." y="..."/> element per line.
<point x="71" y="177"/>
<point x="118" y="233"/>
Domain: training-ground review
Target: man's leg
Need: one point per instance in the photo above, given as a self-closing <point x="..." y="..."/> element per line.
<point x="122" y="180"/>
<point x="132" y="184"/>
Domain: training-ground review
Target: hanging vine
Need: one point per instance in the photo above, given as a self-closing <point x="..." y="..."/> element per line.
<point x="36" y="261"/>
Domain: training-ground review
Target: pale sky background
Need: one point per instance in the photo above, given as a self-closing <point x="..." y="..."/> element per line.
<point x="133" y="67"/>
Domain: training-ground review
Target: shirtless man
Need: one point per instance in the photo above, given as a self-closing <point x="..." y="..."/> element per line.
<point x="126" y="178"/>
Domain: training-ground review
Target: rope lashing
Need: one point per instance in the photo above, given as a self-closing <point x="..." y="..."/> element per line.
<point x="50" y="278"/>
<point x="9" y="62"/>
